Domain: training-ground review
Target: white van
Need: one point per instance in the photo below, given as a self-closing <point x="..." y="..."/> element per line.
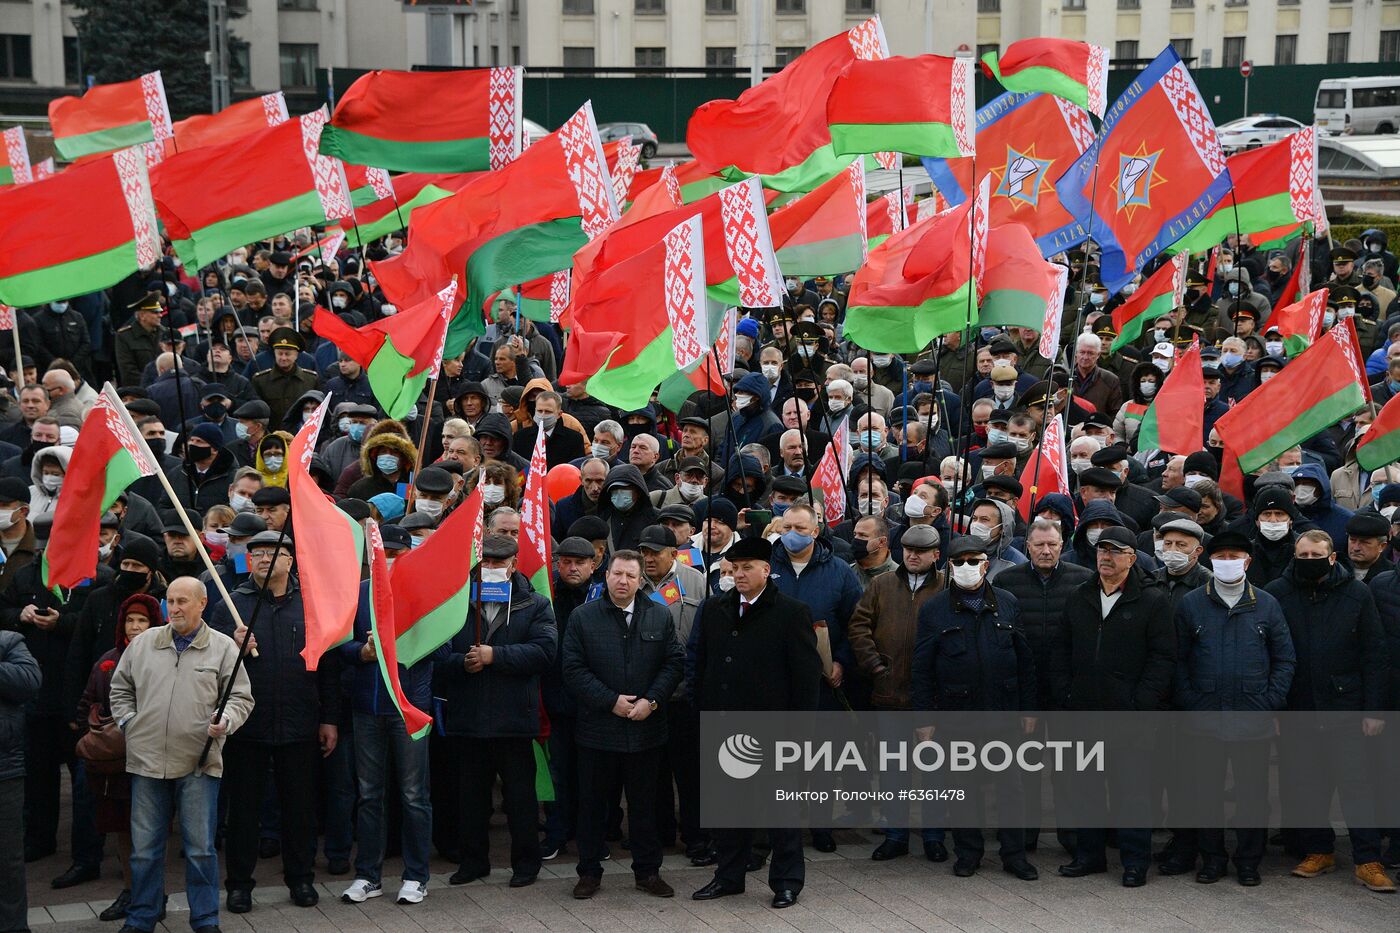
<point x="1360" y="106"/>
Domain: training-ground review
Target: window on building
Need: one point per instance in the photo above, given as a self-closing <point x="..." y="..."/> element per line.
<point x="645" y="57"/>
<point x="719" y="6"/>
<point x="1074" y="4"/>
<point x="15" y="58"/>
<point x="578" y="56"/>
<point x="1338" y="47"/>
<point x="1237" y="2"/>
<point x="649" y="6"/>
<point x="1390" y="45"/>
<point x="1183" y="47"/>
<point x="1125" y="50"/>
<point x="1232" y="52"/>
<point x="988" y="6"/>
<point x="578" y="8"/>
<point x="240" y="63"/>
<point x="784" y="54"/>
<point x="1286" y="50"/>
<point x="719" y="57"/>
<point x="792" y="6"/>
<point x="73" y="60"/>
<point x="296" y="4"/>
<point x="299" y="63"/>
<point x="984" y="48"/>
<point x="860" y="6"/>
<point x="515" y="54"/>
<point x="1129" y="4"/>
<point x="1183" y="4"/>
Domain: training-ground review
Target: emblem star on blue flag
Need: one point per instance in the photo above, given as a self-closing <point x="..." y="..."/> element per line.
<point x="1160" y="170"/>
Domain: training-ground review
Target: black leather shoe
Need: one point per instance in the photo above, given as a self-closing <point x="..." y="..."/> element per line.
<point x="128" y="928"/>
<point x="467" y="875"/>
<point x="1078" y="869"/>
<point x="1021" y="869"/>
<point x="117" y="909"/>
<point x="704" y="858"/>
<point x="823" y="841"/>
<point x="964" y="868"/>
<point x="756" y="861"/>
<point x="715" y="889"/>
<point x="888" y="850"/>
<point x="935" y="852"/>
<point x="522" y="880"/>
<point x="211" y="928"/>
<point x="696" y="849"/>
<point x="1177" y="865"/>
<point x="1211" y="872"/>
<point x="240" y="902"/>
<point x="1248" y="875"/>
<point x="784" y="898"/>
<point x="586" y="887"/>
<point x="304" y="895"/>
<point x="76" y="874"/>
<point x="1134" y="877"/>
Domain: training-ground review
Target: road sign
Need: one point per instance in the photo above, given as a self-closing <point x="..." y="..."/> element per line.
<point x="1246" y="68"/>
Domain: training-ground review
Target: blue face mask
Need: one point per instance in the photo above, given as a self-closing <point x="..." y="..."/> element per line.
<point x="623" y="499"/>
<point x="1394" y="386"/>
<point x="917" y="387"/>
<point x="357" y="431"/>
<point x="871" y="439"/>
<point x="58" y="307"/>
<point x="1232" y="359"/>
<point x="780" y="507"/>
<point x="795" y="542"/>
<point x="241" y="430"/>
<point x="989" y="334"/>
<point x="387" y="463"/>
<point x="1233" y="288"/>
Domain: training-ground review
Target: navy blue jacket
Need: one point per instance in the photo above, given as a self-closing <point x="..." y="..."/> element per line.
<point x="829" y="588"/>
<point x="966" y="659"/>
<point x="1385" y="589"/>
<point x="1232" y="658"/>
<point x="368" y="693"/>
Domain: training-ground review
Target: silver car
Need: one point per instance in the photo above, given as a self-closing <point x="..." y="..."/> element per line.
<point x="641" y="136"/>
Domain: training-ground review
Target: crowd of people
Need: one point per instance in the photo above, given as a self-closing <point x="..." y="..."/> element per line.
<point x="698" y="531"/>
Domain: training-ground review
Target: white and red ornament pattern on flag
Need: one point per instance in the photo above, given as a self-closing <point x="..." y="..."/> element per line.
<point x="310" y="431"/>
<point x="136" y="190"/>
<point x="17" y="154"/>
<point x="45" y="169"/>
<point x="856" y="173"/>
<point x="683" y="290"/>
<point x="558" y="295"/>
<point x="1081" y="128"/>
<point x="588" y="170"/>
<point x="1054" y="444"/>
<point x="1096" y="79"/>
<point x="116" y="422"/>
<point x="868" y="40"/>
<point x="327" y="172"/>
<point x="725" y="344"/>
<point x="897" y="204"/>
<point x="7" y="317"/>
<point x="274" y="107"/>
<point x="1054" y="315"/>
<point x="962" y="106"/>
<point x="1317" y="310"/>
<point x="978" y="232"/>
<point x="380" y="183"/>
<point x="829" y="477"/>
<point x="672" y="183"/>
<point x="503" y="116"/>
<point x="1195" y="118"/>
<point x="1302" y="173"/>
<point x="749" y="244"/>
<point x="1344" y="340"/>
<point x="534" y="513"/>
<point x="447" y="300"/>
<point x="157" y="109"/>
<point x="628" y="157"/>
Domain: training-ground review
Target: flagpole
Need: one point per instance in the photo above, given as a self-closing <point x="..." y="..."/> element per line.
<point x="19" y="354"/>
<point x="184" y="422"/>
<point x="423" y="435"/>
<point x="964" y="468"/>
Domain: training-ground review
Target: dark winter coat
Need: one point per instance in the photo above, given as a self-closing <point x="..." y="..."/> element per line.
<point x="972" y="659"/>
<point x="1042" y="620"/>
<point x="1124" y="661"/>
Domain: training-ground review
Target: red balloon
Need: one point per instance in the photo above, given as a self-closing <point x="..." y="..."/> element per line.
<point x="561" y="481"/>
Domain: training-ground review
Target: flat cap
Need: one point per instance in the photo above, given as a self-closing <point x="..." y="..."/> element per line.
<point x="256" y="410"/>
<point x="1186" y="527"/>
<point x="1117" y="538"/>
<point x="245" y="525"/>
<point x="1183" y="496"/>
<point x="272" y="495"/>
<point x="433" y="480"/>
<point x="574" y="547"/>
<point x="1229" y="539"/>
<point x="750" y="549"/>
<point x="499" y="547"/>
<point x="1368" y="524"/>
<point x="919" y="537"/>
<point x="270" y="538"/>
<point x="1099" y="478"/>
<point x="396" y="537"/>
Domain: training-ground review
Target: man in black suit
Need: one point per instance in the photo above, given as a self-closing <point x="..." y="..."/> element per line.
<point x="755" y="649"/>
<point x="561" y="445"/>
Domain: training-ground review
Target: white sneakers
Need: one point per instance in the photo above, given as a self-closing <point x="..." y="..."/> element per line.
<point x="412" y="892"/>
<point x="361" y="890"/>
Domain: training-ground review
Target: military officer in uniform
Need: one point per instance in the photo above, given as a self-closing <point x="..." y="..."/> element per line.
<point x="138" y="343"/>
<point x="284" y="382"/>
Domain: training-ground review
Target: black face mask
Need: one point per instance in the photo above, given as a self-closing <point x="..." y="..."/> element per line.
<point x="200" y="454"/>
<point x="129" y="581"/>
<point x="806" y="394"/>
<point x="215" y="411"/>
<point x="860" y="548"/>
<point x="1312" y="568"/>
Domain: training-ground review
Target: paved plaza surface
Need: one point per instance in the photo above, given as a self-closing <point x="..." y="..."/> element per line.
<point x="845" y="893"/>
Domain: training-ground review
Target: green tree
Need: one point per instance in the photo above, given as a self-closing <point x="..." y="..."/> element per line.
<point x="124" y="39"/>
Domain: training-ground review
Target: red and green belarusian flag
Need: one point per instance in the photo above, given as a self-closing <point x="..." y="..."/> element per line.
<point x="1022" y="290"/>
<point x="215" y="198"/>
<point x="1272" y="187"/>
<point x="623" y="159"/>
<point x="108" y="457"/>
<point x="543" y="299"/>
<point x="79" y="232"/>
<point x="1309" y="395"/>
<point x="692" y="182"/>
<point x="329" y="544"/>
<point x="823" y="231"/>
<point x="918" y="106"/>
<point x="232" y="123"/>
<point x="399" y="353"/>
<point x="1162" y="292"/>
<point x="409" y="192"/>
<point x="704" y="376"/>
<point x="432" y="583"/>
<point x="384" y="629"/>
<point x="110" y="117"/>
<point x="641" y="319"/>
<point x="45" y="169"/>
<point x="1076" y="71"/>
<point x="778" y="129"/>
<point x="509" y="226"/>
<point x="1300" y="323"/>
<point x="922" y="282"/>
<point x="14" y="169"/>
<point x="536" y="560"/>
<point x="1175" y="421"/>
<point x="663" y="195"/>
<point x="888" y="214"/>
<point x="1380" y="445"/>
<point x="429" y="121"/>
<point x="368" y="184"/>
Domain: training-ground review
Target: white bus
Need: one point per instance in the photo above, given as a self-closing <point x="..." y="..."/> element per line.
<point x="1359" y="106"/>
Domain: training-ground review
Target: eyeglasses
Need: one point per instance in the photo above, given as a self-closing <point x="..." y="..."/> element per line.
<point x="967" y="561"/>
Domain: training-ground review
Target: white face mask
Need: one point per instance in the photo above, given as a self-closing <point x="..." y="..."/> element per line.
<point x="104" y="551"/>
<point x="1080" y="464"/>
<point x="1305" y="495"/>
<point x="1266" y="375"/>
<point x="51" y="483"/>
<point x="726" y="584"/>
<point x="1023" y="444"/>
<point x="495" y="575"/>
<point x="429" y="507"/>
<point x="988" y="470"/>
<point x="981" y="531"/>
<point x="1195" y="479"/>
<point x="1274" y="531"/>
<point x="1228" y="571"/>
<point x="240" y="503"/>
<point x="743" y="400"/>
<point x="1162" y="363"/>
<point x="601" y="450"/>
<point x="1176" y="561"/>
<point x="216" y="537"/>
<point x="967" y="576"/>
<point x="691" y="491"/>
<point x="7" y="519"/>
<point x="1274" y="347"/>
<point x="1389" y="512"/>
<point x="770" y="371"/>
<point x="1147" y="387"/>
<point x="997" y="436"/>
<point x="915" y="507"/>
<point x="492" y="494"/>
<point x="1003" y="393"/>
<point x="836" y="405"/>
<point x="1092" y="536"/>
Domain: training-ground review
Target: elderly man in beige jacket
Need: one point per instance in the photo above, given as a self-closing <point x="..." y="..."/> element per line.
<point x="165" y="692"/>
